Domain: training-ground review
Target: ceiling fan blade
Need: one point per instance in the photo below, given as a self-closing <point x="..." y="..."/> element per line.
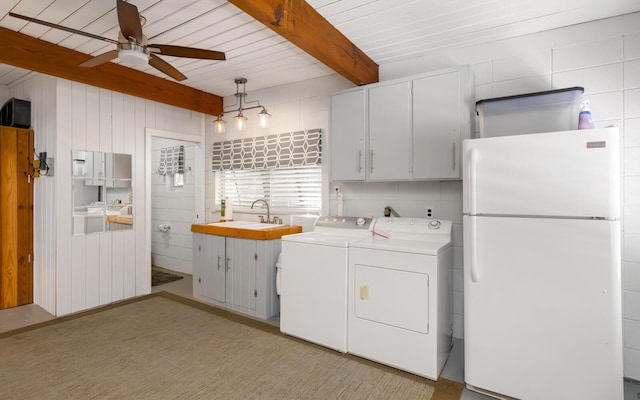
<point x="100" y="59"/>
<point x="63" y="28"/>
<point x="164" y="67"/>
<point x="188" y="52"/>
<point x="129" y="20"/>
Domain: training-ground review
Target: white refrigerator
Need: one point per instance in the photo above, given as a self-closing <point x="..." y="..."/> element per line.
<point x="542" y="273"/>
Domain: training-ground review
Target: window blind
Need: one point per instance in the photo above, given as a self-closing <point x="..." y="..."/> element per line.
<point x="283" y="169"/>
<point x="288" y="188"/>
<point x="283" y="150"/>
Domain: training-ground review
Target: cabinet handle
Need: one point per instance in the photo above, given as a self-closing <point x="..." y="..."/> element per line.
<point x="364" y="292"/>
<point x="359" y="161"/>
<point x="228" y="263"/>
<point x="454" y="155"/>
<point x="371" y="161"/>
<point x="219" y="266"/>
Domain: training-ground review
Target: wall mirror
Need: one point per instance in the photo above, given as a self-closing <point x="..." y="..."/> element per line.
<point x="102" y="191"/>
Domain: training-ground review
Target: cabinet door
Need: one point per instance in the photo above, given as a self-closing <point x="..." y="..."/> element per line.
<point x="209" y="266"/>
<point x="241" y="275"/>
<point x="436" y="126"/>
<point x="390" y="132"/>
<point x="16" y="216"/>
<point x="94" y="164"/>
<point x="348" y="127"/>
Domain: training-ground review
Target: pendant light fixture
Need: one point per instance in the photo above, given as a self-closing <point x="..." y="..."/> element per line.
<point x="240" y="120"/>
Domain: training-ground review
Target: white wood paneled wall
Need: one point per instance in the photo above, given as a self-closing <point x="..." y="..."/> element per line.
<point x="173" y="206"/>
<point x="74" y="273"/>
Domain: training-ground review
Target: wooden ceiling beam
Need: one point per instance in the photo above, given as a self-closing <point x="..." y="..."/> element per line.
<point x="302" y="25"/>
<point x="26" y="52"/>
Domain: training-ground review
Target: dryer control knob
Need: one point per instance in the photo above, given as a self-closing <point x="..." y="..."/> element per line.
<point x="360" y="221"/>
<point x="435" y="224"/>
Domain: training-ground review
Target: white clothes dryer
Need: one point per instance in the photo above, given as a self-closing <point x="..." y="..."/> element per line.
<point x="314" y="269"/>
<point x="400" y="295"/>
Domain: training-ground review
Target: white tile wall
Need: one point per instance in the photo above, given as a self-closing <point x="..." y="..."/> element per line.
<point x="631" y="276"/>
<point x="632" y="45"/>
<point x="632" y="103"/>
<point x="631" y="190"/>
<point x="522" y="85"/>
<point x="632" y="161"/>
<point x="632" y="132"/>
<point x="632" y="333"/>
<point x="594" y="79"/>
<point x="631" y="305"/>
<point x="522" y="66"/>
<point x="587" y="54"/>
<point x="632" y="74"/>
<point x="631" y="219"/>
<point x="605" y="106"/>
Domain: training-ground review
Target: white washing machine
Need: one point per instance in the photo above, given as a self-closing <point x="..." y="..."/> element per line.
<point x="400" y="295"/>
<point x="313" y="286"/>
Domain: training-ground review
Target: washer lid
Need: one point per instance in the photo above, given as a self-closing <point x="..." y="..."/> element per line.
<point x="322" y="239"/>
<point x="427" y="247"/>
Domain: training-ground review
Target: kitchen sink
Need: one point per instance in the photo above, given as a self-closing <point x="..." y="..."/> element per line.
<point x="245" y="225"/>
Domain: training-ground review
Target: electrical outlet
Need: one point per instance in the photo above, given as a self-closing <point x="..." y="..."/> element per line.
<point x="430" y="211"/>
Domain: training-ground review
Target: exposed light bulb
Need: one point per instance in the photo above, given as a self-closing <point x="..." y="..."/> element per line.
<point x="219" y="124"/>
<point x="264" y="118"/>
<point x="241" y="121"/>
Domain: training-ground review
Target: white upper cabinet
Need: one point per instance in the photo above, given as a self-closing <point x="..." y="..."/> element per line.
<point x="441" y="119"/>
<point x="405" y="129"/>
<point x="348" y="127"/>
<point x="390" y="131"/>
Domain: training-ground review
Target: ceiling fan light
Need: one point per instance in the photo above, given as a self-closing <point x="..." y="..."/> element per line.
<point x="219" y="124"/>
<point x="133" y="57"/>
<point x="241" y="121"/>
<point x="264" y="118"/>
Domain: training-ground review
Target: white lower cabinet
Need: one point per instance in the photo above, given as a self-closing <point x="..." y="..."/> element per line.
<point x="236" y="273"/>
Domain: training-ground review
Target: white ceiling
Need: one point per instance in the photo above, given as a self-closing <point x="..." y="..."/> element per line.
<point x="386" y="30"/>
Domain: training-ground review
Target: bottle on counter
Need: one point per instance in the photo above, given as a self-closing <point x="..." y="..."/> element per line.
<point x="229" y="211"/>
<point x="223" y="209"/>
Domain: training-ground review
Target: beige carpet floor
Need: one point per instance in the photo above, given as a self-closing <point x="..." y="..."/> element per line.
<point x="163" y="346"/>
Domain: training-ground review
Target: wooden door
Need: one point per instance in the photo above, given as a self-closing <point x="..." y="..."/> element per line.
<point x="16" y="214"/>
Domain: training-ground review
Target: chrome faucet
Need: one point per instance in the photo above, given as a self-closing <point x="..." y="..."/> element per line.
<point x="268" y="221"/>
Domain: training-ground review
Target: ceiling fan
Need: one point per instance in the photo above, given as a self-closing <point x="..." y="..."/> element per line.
<point x="132" y="46"/>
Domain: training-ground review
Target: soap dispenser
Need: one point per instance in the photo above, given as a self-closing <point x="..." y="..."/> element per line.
<point x="584" y="118"/>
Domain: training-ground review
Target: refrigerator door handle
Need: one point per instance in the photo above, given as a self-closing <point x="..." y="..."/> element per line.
<point x="472" y="195"/>
<point x="473" y="256"/>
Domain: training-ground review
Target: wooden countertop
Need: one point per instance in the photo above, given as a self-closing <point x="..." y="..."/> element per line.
<point x="120" y="219"/>
<point x="239" y="232"/>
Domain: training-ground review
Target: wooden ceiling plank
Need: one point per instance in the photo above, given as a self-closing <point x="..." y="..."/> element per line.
<point x="37" y="55"/>
<point x="302" y="25"/>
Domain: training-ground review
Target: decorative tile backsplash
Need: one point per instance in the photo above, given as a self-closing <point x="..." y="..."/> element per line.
<point x="283" y="150"/>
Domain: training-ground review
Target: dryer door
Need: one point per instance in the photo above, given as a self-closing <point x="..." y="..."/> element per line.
<point x="392" y="297"/>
